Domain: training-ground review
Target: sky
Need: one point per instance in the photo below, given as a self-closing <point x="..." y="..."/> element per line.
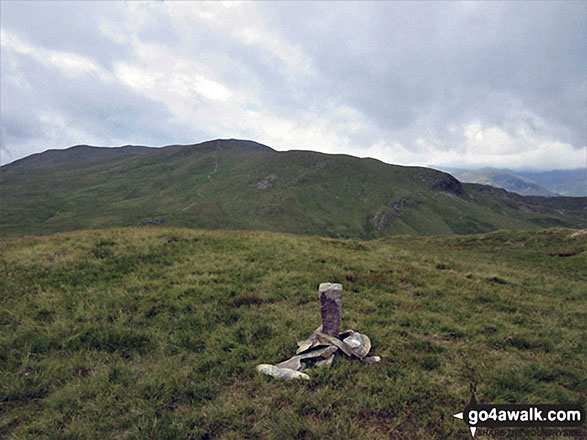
<point x="455" y="84"/>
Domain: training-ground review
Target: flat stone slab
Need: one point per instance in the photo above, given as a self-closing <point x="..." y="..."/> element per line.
<point x="310" y="343"/>
<point x="294" y="363"/>
<point x="342" y="346"/>
<point x="322" y="353"/>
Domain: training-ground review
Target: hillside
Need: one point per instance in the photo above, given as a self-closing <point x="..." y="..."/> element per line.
<point x="232" y="184"/>
<point x="155" y="333"/>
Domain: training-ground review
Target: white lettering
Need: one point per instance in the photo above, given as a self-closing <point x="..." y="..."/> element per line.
<point x="493" y="413"/>
<point x="524" y="416"/>
<point x="473" y="417"/>
<point x="513" y="415"/>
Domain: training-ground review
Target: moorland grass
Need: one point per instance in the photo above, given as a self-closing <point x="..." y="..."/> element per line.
<point x="154" y="333"/>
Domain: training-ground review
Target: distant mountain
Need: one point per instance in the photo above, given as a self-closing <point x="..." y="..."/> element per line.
<point x="503" y="179"/>
<point x="540" y="183"/>
<point x="563" y="182"/>
<point x="234" y="184"/>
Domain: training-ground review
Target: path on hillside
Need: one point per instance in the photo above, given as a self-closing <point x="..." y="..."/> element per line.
<point x="219" y="148"/>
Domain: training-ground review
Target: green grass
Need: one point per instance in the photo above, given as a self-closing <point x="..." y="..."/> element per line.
<point x="154" y="333"/>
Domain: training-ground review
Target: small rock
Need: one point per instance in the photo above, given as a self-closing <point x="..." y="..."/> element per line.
<point x="360" y="343"/>
<point x="154" y="221"/>
<point x="579" y="233"/>
<point x="372" y="359"/>
<point x="281" y="373"/>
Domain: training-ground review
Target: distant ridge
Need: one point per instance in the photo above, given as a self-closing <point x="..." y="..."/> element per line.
<point x="242" y="184"/>
<point x="542" y="183"/>
<point x="76" y="155"/>
<point x="85" y="154"/>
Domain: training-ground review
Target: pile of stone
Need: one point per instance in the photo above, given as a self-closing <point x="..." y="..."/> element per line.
<point x="319" y="349"/>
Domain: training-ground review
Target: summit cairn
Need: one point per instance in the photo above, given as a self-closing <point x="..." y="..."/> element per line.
<point x="319" y="349"/>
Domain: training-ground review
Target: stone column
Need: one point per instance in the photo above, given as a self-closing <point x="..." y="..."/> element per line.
<point x="331" y="305"/>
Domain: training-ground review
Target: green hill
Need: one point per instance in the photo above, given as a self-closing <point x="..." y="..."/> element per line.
<point x="145" y="333"/>
<point x="232" y="184"/>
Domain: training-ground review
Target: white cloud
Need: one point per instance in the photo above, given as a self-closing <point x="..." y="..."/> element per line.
<point x="136" y="77"/>
<point x="523" y="148"/>
<point x="245" y="25"/>
<point x="69" y="63"/>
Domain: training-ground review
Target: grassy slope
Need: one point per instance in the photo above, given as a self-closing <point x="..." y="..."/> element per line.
<point x="155" y="333"/>
<point x="208" y="187"/>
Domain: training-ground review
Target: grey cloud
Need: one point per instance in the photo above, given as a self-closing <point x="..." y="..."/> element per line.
<point x="413" y="69"/>
<point x="397" y="61"/>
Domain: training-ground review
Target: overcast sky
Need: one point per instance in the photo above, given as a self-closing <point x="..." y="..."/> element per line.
<point x="500" y="84"/>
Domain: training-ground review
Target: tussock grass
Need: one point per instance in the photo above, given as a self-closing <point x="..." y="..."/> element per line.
<point x="147" y="333"/>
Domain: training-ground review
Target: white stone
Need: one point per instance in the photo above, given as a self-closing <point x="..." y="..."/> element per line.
<point x="281" y="373"/>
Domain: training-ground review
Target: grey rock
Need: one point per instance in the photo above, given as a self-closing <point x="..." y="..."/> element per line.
<point x="330" y="307"/>
<point x="325" y="363"/>
<point x="267" y="183"/>
<point x="294" y="363"/>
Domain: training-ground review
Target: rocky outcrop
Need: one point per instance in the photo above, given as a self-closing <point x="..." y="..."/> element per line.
<point x="399" y="203"/>
<point x="382" y="220"/>
<point x="448" y="184"/>
<point x="267" y="183"/>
